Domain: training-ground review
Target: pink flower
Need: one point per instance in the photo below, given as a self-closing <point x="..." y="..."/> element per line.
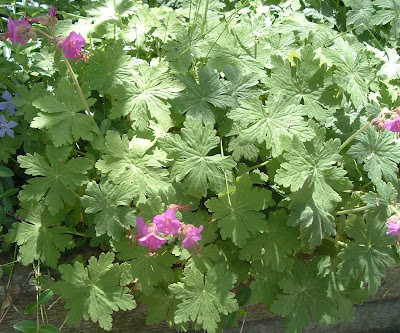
<point x="73" y="45"/>
<point x="167" y="223"/>
<point x="152" y="241"/>
<point x="19" y="31"/>
<point x="192" y="236"/>
<point x="393" y="125"/>
<point x="393" y="226"/>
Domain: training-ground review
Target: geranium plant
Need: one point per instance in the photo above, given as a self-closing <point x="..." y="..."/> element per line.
<point x="218" y="152"/>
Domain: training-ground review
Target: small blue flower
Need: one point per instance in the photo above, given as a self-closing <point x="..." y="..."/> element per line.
<point x="8" y="104"/>
<point x="6" y="128"/>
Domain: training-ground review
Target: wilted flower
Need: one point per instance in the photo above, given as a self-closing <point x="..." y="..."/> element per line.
<point x="8" y="104"/>
<point x="6" y="128"/>
<point x="72" y="46"/>
<point x="167" y="223"/>
<point x="179" y="207"/>
<point x="20" y="31"/>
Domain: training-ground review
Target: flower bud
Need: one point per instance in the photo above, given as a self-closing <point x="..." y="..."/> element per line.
<point x="379" y="123"/>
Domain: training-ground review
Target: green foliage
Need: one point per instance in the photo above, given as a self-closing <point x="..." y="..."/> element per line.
<point x="273" y="126"/>
<point x="238" y="117"/>
<point x="191" y="162"/>
<point x="311" y="174"/>
<point x="380" y="154"/>
<point x="60" y="116"/>
<point x="110" y="68"/>
<point x="149" y="270"/>
<point x="59" y="178"/>
<point x="200" y="100"/>
<point x="238" y="214"/>
<point x="305" y="293"/>
<point x="274" y="245"/>
<point x="40" y="236"/>
<point x="204" y="298"/>
<point x="110" y="205"/>
<point x="145" y="100"/>
<point x="366" y="259"/>
<point x="134" y="161"/>
<point x="305" y="82"/>
<point x="99" y="285"/>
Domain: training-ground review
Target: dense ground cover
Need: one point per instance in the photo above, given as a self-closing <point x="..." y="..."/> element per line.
<point x="219" y="153"/>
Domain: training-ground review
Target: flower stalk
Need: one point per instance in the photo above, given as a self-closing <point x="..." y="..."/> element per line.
<point x="362" y="129"/>
<point x="352" y="211"/>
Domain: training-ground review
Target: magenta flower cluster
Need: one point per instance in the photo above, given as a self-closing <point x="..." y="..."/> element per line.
<point x="155" y="234"/>
<point x="20" y="31"/>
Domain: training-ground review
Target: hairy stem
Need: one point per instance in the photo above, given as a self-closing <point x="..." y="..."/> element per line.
<point x="351" y="211"/>
<point x="80" y="92"/>
<point x="334" y="240"/>
<point x="354" y="135"/>
<point x="395" y="210"/>
<point x="259" y="165"/>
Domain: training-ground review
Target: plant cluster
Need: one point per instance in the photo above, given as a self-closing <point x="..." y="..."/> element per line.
<point x="262" y="134"/>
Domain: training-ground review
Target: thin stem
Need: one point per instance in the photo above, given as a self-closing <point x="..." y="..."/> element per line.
<point x="78" y="87"/>
<point x="259" y="165"/>
<point x="43" y="33"/>
<point x="71" y="15"/>
<point x="77" y="234"/>
<point x="226" y="178"/>
<point x="7" y="82"/>
<point x="354" y="135"/>
<point x="9" y="263"/>
<point x="205" y="17"/>
<point x="395" y="210"/>
<point x="351" y="211"/>
<point x="334" y="240"/>
<point x="52" y="304"/>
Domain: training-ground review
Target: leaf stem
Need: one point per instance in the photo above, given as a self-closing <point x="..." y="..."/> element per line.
<point x="226" y="178"/>
<point x="259" y="165"/>
<point x="334" y="240"/>
<point x="77" y="234"/>
<point x="351" y="211"/>
<point x="395" y="210"/>
<point x="354" y="135"/>
<point x="43" y="33"/>
<point x="80" y="93"/>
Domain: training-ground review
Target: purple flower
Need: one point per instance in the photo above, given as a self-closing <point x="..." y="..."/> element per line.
<point x="73" y="45"/>
<point x="19" y="31"/>
<point x="152" y="241"/>
<point x="192" y="236"/>
<point x="8" y="104"/>
<point x="393" y="125"/>
<point x="141" y="228"/>
<point x="167" y="223"/>
<point x="53" y="12"/>
<point x="6" y="128"/>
